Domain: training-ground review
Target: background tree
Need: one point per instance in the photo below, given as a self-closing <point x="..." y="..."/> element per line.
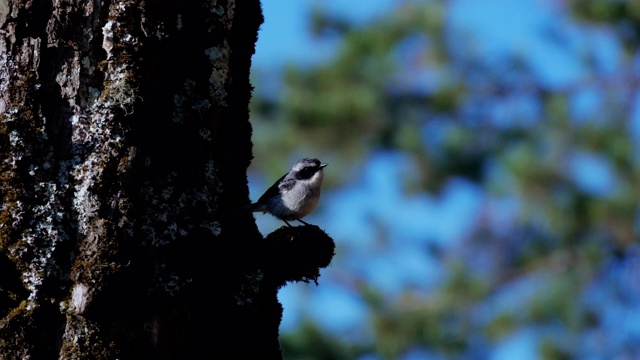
<point x="125" y="140"/>
<point x="551" y="254"/>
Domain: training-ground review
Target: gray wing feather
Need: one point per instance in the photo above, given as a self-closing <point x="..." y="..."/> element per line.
<point x="272" y="191"/>
<point x="286" y="185"/>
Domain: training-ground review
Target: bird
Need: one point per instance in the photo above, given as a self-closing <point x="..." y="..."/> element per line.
<point x="296" y="194"/>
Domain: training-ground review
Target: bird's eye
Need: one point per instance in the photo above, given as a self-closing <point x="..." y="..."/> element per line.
<point x="308" y="171"/>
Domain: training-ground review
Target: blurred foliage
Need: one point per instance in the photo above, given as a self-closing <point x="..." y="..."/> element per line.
<point x="566" y="239"/>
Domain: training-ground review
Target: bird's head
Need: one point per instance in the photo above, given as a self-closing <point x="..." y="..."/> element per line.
<point x="306" y="168"/>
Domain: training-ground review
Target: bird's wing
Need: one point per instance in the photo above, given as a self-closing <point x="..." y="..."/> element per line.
<point x="286" y="184"/>
<point x="273" y="190"/>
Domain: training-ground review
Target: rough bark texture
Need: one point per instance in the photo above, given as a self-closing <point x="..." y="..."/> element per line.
<point x="124" y="141"/>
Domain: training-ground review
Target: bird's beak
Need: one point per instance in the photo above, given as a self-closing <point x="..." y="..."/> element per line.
<point x="323" y="165"/>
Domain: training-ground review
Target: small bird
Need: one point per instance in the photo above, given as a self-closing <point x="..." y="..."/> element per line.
<point x="296" y="194"/>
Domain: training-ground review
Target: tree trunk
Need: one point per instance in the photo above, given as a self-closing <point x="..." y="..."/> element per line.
<point x="124" y="141"/>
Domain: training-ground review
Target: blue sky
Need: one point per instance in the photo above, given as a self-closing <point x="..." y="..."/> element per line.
<point x="284" y="37"/>
<point x="493" y="30"/>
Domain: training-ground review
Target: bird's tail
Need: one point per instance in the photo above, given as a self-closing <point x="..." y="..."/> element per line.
<point x="246" y="209"/>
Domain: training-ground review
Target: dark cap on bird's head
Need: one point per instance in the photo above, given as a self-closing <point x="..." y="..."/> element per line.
<point x="305" y="168"/>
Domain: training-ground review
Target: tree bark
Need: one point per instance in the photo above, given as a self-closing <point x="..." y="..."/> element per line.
<point x="124" y="141"/>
